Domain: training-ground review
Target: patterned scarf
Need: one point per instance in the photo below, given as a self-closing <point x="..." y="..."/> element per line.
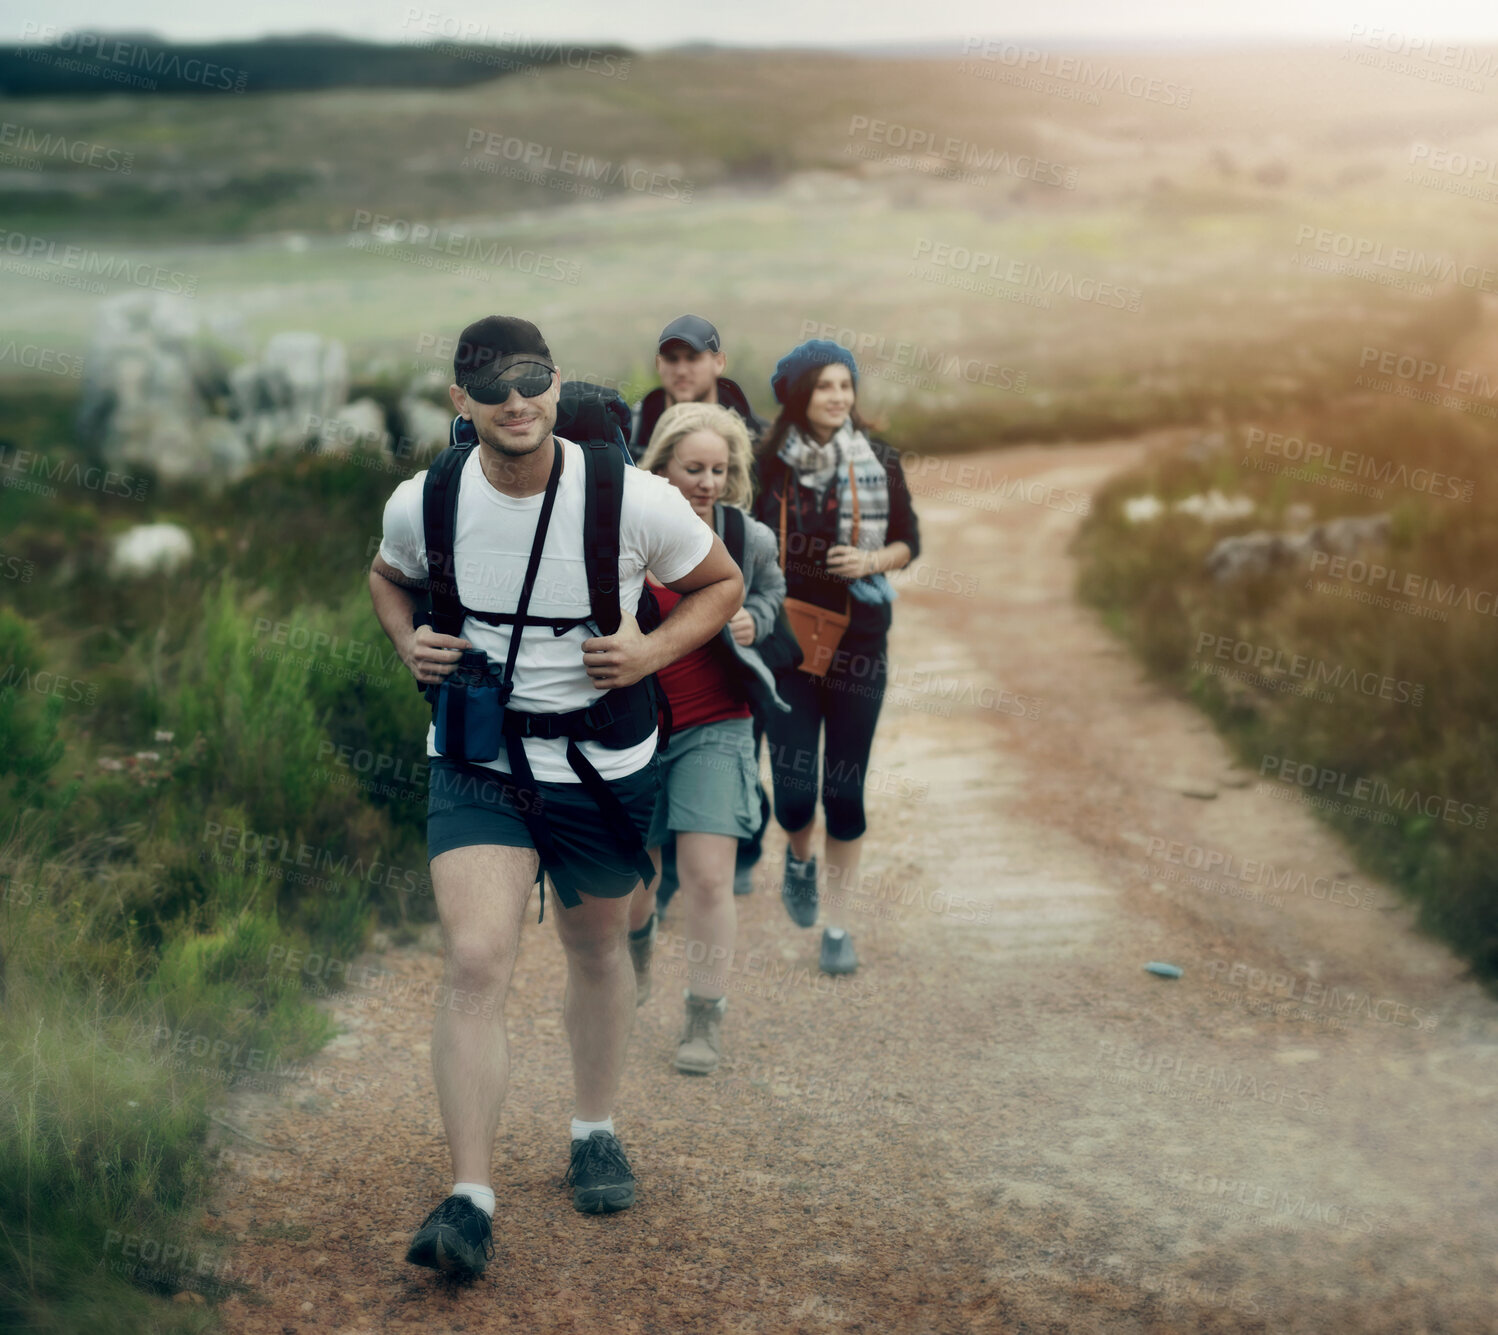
<point x="817" y="466"/>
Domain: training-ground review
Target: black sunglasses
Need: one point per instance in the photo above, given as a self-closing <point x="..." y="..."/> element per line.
<point x="533" y="380"/>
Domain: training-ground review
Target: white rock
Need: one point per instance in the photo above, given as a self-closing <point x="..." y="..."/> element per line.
<point x="150" y="549"/>
<point x="1142" y="509"/>
<point x="357" y="424"/>
<point x="1214" y="507"/>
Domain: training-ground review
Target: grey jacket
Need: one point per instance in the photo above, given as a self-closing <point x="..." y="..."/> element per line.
<point x="764" y="591"/>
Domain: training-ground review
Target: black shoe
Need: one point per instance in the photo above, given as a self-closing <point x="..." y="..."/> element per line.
<point x="455" y="1239"/>
<point x="599" y="1175"/>
<point x="798" y="891"/>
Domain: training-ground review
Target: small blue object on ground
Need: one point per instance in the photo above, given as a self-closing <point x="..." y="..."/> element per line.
<point x="1164" y="970"/>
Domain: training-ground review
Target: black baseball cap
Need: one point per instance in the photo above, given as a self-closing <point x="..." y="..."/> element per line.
<point x="489" y="347"/>
<point x="692" y="330"/>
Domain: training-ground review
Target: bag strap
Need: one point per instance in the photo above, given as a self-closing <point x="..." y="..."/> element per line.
<point x="533" y="565"/>
<point x="853" y="485"/>
<point x="785" y="487"/>
<point x="602" y="504"/>
<point x="733" y="533"/>
<point x="439" y="509"/>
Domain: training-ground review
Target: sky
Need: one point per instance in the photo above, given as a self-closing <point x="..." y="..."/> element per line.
<point x="647" y="24"/>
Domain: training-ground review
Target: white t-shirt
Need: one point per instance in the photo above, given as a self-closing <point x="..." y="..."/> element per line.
<point x="491" y="545"/>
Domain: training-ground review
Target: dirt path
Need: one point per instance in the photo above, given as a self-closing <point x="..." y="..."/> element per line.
<point x="1002" y="1122"/>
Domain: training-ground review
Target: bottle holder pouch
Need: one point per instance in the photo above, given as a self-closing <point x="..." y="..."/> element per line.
<point x="470" y="710"/>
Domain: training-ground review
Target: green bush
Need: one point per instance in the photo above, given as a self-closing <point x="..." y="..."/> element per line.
<point x="1430" y="736"/>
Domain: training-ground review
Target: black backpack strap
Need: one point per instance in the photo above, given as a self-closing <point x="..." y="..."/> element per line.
<point x="733" y="533"/>
<point x="602" y="504"/>
<point x="439" y="510"/>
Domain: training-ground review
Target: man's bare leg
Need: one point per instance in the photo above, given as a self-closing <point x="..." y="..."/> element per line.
<point x="481" y="893"/>
<point x="599" y="1004"/>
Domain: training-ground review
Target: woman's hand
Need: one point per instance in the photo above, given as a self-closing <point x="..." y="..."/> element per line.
<point x="851" y="562"/>
<point x="741" y="627"/>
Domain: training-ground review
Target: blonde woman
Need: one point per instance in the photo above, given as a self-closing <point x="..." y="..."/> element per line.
<point x="710" y="798"/>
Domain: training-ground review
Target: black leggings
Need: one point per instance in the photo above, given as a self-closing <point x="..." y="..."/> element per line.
<point x="847" y="702"/>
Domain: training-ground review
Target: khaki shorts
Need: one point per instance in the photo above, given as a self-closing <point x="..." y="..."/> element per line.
<point x="711" y="783"/>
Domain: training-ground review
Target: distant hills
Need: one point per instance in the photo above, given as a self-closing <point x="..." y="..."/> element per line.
<point x="78" y="64"/>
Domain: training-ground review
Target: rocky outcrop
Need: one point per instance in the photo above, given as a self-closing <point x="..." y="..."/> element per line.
<point x="1259" y="553"/>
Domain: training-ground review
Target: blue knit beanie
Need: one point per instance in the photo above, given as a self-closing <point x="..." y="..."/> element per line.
<point x="815" y="352"/>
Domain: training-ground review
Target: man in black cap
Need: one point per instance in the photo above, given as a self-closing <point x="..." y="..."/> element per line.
<point x="689" y="361"/>
<point x="517" y="557"/>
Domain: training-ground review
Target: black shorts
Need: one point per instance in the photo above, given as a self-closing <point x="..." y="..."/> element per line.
<point x="471" y="804"/>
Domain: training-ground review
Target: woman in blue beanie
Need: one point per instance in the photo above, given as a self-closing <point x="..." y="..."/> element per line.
<point x="845" y="509"/>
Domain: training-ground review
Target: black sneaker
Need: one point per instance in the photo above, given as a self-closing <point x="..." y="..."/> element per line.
<point x="456" y="1238"/>
<point x="599" y="1175"/>
<point x="798" y="891"/>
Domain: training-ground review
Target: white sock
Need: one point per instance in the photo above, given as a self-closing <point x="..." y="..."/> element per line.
<point x="480" y="1195"/>
<point x="837" y="933"/>
<point x="798" y="864"/>
<point x="581" y="1130"/>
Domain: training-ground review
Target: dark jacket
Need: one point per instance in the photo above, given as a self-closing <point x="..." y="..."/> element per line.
<point x="647" y="412"/>
<point x="764" y="591"/>
<point x="811" y="528"/>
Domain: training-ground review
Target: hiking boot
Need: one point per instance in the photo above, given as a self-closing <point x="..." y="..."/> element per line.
<point x="599" y="1175"/>
<point x="641" y="944"/>
<point x="701" y="1041"/>
<point x="838" y="955"/>
<point x="798" y="891"/>
<point x="455" y="1238"/>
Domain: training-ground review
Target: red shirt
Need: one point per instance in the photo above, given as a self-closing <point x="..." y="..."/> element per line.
<point x="699" y="684"/>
